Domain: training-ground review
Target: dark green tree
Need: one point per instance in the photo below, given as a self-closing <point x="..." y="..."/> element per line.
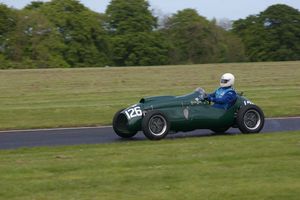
<point x="8" y="21"/>
<point x="81" y="30"/>
<point x="59" y="33"/>
<point x="133" y="38"/>
<point x="187" y="32"/>
<point x="228" y="46"/>
<point x="272" y="35"/>
<point x="194" y="39"/>
<point x="139" y="49"/>
<point x="35" y="42"/>
<point x="130" y="16"/>
<point x="34" y="5"/>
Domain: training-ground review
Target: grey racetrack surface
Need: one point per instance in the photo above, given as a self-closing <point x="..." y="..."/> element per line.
<point x="99" y="135"/>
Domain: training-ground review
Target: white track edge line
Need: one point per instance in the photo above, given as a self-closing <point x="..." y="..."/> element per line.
<point x="54" y="129"/>
<point x="100" y="127"/>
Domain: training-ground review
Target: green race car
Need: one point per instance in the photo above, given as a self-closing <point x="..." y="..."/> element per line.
<point x="157" y="116"/>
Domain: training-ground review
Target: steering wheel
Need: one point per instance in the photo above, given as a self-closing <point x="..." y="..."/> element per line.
<point x="205" y="98"/>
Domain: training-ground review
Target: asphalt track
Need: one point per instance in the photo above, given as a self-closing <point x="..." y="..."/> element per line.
<point x="100" y="135"/>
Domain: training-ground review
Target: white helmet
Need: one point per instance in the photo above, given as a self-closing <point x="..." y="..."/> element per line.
<point x="227" y="80"/>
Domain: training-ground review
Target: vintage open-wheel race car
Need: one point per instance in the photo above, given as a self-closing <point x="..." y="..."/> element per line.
<point x="158" y="116"/>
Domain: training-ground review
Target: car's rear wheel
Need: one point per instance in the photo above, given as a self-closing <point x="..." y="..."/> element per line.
<point x="155" y="125"/>
<point x="250" y="119"/>
<point x="120" y="125"/>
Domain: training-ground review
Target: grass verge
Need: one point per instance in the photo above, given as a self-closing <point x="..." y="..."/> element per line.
<point x="87" y="97"/>
<point x="263" y="166"/>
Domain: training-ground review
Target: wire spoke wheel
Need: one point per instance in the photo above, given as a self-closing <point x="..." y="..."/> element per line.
<point x="157" y="125"/>
<point x="252" y="119"/>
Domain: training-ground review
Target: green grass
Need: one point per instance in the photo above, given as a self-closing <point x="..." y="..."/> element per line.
<point x="263" y="166"/>
<point x="84" y="97"/>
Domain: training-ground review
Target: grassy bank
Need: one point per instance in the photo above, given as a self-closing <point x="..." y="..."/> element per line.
<point x="83" y="97"/>
<point x="264" y="166"/>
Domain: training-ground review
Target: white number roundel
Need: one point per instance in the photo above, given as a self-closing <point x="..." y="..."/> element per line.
<point x="134" y="112"/>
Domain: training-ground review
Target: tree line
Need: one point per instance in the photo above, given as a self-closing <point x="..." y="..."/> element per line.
<point x="65" y="33"/>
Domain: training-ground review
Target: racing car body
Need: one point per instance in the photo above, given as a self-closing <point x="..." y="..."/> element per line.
<point x="157" y="116"/>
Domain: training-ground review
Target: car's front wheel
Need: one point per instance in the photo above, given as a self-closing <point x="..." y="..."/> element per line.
<point x="155" y="125"/>
<point x="120" y="125"/>
<point x="250" y="119"/>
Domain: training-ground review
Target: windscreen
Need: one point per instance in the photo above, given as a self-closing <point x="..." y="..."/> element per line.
<point x="200" y="91"/>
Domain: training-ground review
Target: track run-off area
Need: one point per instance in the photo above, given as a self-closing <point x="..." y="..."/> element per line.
<point x="99" y="135"/>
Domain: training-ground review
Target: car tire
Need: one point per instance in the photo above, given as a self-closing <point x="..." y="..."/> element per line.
<point x="119" y="125"/>
<point x="250" y="119"/>
<point x="155" y="125"/>
<point x="219" y="130"/>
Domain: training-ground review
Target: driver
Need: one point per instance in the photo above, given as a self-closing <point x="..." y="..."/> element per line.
<point x="225" y="96"/>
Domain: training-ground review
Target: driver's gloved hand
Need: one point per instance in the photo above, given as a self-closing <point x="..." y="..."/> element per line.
<point x="209" y="98"/>
<point x="205" y="97"/>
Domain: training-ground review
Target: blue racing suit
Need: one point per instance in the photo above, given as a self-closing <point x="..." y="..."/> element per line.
<point x="223" y="97"/>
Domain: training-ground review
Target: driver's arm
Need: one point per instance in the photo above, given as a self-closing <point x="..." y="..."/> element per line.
<point x="227" y="98"/>
<point x="212" y="95"/>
